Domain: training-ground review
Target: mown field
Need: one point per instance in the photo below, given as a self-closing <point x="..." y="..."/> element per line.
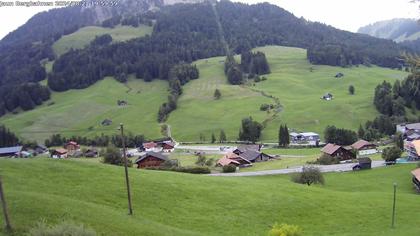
<point x="80" y="112"/>
<point x="167" y="203"/>
<point x="85" y="35"/>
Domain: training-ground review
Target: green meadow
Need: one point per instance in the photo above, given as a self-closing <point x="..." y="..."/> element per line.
<point x="85" y="35"/>
<point x="166" y="203"/>
<point x="80" y="112"/>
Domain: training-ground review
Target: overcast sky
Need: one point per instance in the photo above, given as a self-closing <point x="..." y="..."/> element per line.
<point x="343" y="14"/>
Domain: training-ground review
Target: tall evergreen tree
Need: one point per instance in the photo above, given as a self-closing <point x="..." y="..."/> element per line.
<point x="222" y="136"/>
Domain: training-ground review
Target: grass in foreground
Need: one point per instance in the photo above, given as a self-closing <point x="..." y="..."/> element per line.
<point x="167" y="203"/>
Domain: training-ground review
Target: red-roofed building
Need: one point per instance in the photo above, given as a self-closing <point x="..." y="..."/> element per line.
<point x="233" y="159"/>
<point x="71" y="147"/>
<point x="364" y="148"/>
<point x="168" y="146"/>
<point x="338" y="152"/>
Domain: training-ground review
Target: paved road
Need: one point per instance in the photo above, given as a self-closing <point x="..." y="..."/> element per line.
<point x="329" y="168"/>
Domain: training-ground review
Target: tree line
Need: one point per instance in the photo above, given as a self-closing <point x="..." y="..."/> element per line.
<point x="103" y="140"/>
<point x="7" y="138"/>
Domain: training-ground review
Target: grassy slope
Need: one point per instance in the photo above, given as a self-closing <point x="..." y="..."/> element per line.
<point x="182" y="204"/>
<point x="198" y="112"/>
<point x="83" y="36"/>
<point x="300" y="90"/>
<point x="81" y="109"/>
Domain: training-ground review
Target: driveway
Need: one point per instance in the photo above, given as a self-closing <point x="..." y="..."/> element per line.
<point x="329" y="168"/>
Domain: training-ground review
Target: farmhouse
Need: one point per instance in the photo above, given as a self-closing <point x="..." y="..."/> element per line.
<point x="413" y="150"/>
<point x="151" y="147"/>
<point x="168" y="146"/>
<point x="10" y="151"/>
<point x="364" y="148"/>
<point x="59" y="153"/>
<point x="416" y="178"/>
<point x="150" y="159"/>
<point x="255" y="156"/>
<point x="307" y="137"/>
<point x="233" y="159"/>
<point x="72" y="147"/>
<point x="338" y="152"/>
<point x="244" y="148"/>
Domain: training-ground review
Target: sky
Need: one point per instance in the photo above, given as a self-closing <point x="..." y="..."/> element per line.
<point x="343" y="14"/>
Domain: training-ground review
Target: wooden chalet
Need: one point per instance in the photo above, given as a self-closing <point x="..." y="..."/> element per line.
<point x="168" y="146"/>
<point x="416" y="179"/>
<point x="249" y="147"/>
<point x="151" y="159"/>
<point x="364" y="148"/>
<point x="59" y="153"/>
<point x="255" y="156"/>
<point x="233" y="159"/>
<point x="72" y="147"/>
<point x="338" y="152"/>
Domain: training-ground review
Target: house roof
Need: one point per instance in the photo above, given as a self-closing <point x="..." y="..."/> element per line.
<point x="10" y="150"/>
<point x="224" y="161"/>
<point x="416" y="173"/>
<point x="149" y="145"/>
<point x="169" y="144"/>
<point x="153" y="154"/>
<point x="413" y="126"/>
<point x="61" y="150"/>
<point x="253" y="147"/>
<point x="416" y="145"/>
<point x="250" y="155"/>
<point x="330" y="148"/>
<point x="309" y="134"/>
<point x="360" y="144"/>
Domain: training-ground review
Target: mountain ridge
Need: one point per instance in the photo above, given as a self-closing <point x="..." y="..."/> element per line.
<point x="398" y="29"/>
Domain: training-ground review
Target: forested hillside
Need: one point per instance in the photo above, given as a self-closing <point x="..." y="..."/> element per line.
<point x="398" y="30"/>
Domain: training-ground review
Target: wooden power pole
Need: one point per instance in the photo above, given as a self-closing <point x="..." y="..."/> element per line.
<point x="127" y="181"/>
<point x="4" y="206"/>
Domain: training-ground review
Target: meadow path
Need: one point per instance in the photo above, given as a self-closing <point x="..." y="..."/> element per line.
<point x="329" y="168"/>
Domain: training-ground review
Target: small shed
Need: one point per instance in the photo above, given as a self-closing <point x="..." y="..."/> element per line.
<point x="327" y="97"/>
<point x="106" y="122"/>
<point x="365" y="163"/>
<point x="339" y="75"/>
<point x="151" y="159"/>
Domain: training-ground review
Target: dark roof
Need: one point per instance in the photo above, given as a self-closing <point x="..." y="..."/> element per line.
<point x="413" y="126"/>
<point x="153" y="154"/>
<point x="250" y="155"/>
<point x="360" y="144"/>
<point x="364" y="160"/>
<point x="330" y="148"/>
<point x="253" y="147"/>
<point x="10" y="150"/>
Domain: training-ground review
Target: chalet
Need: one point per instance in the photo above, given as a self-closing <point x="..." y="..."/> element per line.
<point x="10" y="151"/>
<point x="365" y="163"/>
<point x="72" y="147"/>
<point x="244" y="148"/>
<point x="338" y="152"/>
<point x="416" y="178"/>
<point x="151" y="159"/>
<point x="59" y="153"/>
<point x="307" y="137"/>
<point x="106" y="122"/>
<point x="168" y="146"/>
<point x="408" y="128"/>
<point x="151" y="147"/>
<point x="413" y="150"/>
<point x="233" y="159"/>
<point x="364" y="148"/>
<point x="327" y="97"/>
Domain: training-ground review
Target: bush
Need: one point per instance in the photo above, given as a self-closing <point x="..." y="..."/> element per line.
<point x="309" y="175"/>
<point x="62" y="229"/>
<point x="327" y="160"/>
<point x="229" y="169"/>
<point x="391" y="153"/>
<point x="113" y="156"/>
<point x="285" y="230"/>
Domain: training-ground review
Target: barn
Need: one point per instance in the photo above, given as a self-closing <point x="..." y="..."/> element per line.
<point x="151" y="159"/>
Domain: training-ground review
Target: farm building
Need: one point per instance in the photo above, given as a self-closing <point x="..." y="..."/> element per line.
<point x="92" y="152"/>
<point x="106" y="122"/>
<point x="307" y="137"/>
<point x="364" y="148"/>
<point x="151" y="147"/>
<point x="244" y="148"/>
<point x="168" y="146"/>
<point x="59" y="153"/>
<point x="416" y="178"/>
<point x="151" y="159"/>
<point x="255" y="156"/>
<point x="338" y="152"/>
<point x="365" y="163"/>
<point x="72" y="147"/>
<point x="233" y="159"/>
<point x="10" y="151"/>
<point x="408" y="128"/>
<point x="413" y="150"/>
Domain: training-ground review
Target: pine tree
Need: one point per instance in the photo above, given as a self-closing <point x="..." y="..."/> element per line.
<point x="217" y="94"/>
<point x="351" y="89"/>
<point x="361" y="132"/>
<point x="222" y="137"/>
<point x="213" y="138"/>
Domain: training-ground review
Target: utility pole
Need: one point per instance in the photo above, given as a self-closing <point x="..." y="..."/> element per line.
<point x="393" y="206"/>
<point x="130" y="209"/>
<point x="4" y="206"/>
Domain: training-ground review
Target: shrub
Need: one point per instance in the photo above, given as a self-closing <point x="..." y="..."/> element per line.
<point x="309" y="175"/>
<point x="391" y="153"/>
<point x="327" y="160"/>
<point x="265" y="107"/>
<point x="112" y="156"/>
<point x="62" y="229"/>
<point x="229" y="169"/>
<point x="285" y="230"/>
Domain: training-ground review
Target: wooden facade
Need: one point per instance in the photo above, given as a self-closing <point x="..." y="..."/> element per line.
<point x="149" y="161"/>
